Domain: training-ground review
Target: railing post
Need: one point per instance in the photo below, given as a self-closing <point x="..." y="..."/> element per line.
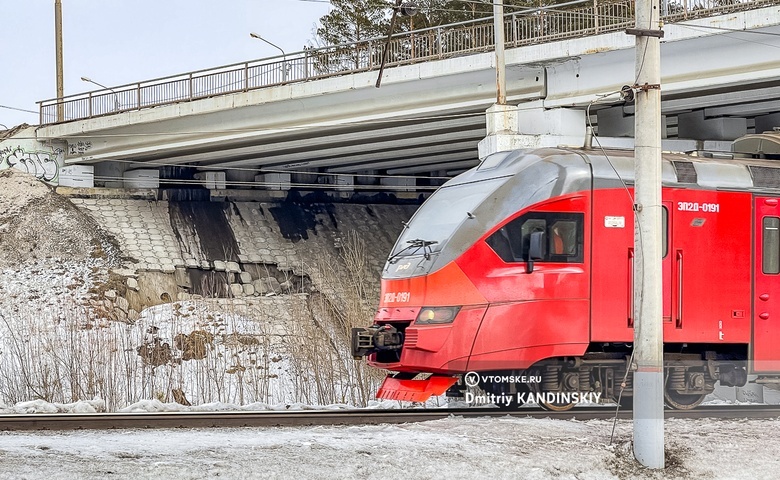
<point x="438" y="40"/>
<point x="190" y="86"/>
<point x="246" y="76"/>
<point x="595" y="16"/>
<point x="138" y="95"/>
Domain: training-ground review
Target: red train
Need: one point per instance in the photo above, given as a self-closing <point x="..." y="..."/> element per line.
<point x="520" y="271"/>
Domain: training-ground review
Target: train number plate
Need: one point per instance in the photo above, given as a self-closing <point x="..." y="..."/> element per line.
<point x="698" y="207"/>
<point x="397" y="297"/>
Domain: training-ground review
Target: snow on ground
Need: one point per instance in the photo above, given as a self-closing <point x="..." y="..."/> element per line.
<point x="451" y="448"/>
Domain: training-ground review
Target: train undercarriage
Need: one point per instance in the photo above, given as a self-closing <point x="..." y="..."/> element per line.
<point x="559" y="384"/>
<point x="599" y="376"/>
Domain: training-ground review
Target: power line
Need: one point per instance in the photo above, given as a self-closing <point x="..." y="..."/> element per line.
<point x="276" y="169"/>
<point x="734" y="30"/>
<point x="19" y="109"/>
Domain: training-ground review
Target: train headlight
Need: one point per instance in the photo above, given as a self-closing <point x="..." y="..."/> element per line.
<point x="436" y="315"/>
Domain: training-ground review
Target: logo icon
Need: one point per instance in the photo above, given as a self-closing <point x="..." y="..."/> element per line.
<point x="471" y="379"/>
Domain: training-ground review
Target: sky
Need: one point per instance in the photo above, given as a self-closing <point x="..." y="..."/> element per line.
<point x="115" y="42"/>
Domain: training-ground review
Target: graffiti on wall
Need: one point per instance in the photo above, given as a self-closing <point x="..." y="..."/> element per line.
<point x="44" y="164"/>
<point x="79" y="148"/>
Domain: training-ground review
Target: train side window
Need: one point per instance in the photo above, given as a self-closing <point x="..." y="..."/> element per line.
<point x="664" y="231"/>
<point x="563" y="237"/>
<point x="771" y="245"/>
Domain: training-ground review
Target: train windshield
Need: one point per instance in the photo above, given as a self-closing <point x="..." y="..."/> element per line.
<point x="440" y="215"/>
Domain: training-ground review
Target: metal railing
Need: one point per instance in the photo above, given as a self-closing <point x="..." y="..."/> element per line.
<point x="522" y="28"/>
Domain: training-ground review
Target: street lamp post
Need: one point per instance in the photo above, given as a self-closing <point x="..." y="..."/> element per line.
<point x="116" y="95"/>
<point x="58" y="58"/>
<point x="284" y="55"/>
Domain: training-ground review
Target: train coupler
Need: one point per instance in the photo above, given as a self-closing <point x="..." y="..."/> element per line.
<point x="375" y="338"/>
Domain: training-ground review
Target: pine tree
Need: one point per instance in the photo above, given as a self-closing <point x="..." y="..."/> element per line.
<point x="353" y="21"/>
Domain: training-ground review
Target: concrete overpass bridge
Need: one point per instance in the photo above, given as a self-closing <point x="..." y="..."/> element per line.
<point x="315" y="119"/>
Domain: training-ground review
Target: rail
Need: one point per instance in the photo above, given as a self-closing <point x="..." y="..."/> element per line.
<point x="104" y="421"/>
<point x="527" y="27"/>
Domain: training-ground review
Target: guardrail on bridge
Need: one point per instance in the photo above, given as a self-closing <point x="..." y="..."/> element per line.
<point x="522" y="28"/>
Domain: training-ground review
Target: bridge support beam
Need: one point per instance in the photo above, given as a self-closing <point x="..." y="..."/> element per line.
<point x="695" y="126"/>
<point x="766" y="123"/>
<point x="530" y="125"/>
<point x="619" y="122"/>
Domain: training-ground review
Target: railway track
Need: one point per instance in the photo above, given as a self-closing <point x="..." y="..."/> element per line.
<point x="104" y="421"/>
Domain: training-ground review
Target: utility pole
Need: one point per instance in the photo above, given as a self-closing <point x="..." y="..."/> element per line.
<point x="498" y="27"/>
<point x="648" y="287"/>
<point x="58" y="53"/>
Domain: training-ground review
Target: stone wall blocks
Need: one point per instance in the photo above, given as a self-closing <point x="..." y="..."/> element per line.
<point x="192" y="263"/>
<point x="220" y="266"/>
<point x="232" y="267"/>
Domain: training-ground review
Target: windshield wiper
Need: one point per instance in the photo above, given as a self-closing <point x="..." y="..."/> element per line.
<point x="416" y="243"/>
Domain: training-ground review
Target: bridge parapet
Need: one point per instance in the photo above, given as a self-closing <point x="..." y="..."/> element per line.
<point x="532" y="26"/>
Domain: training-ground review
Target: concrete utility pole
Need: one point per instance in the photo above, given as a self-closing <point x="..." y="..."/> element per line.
<point x="58" y="53"/>
<point x="498" y="26"/>
<point x="648" y="289"/>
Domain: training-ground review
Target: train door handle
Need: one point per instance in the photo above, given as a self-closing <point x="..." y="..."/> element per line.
<point x="763" y="316"/>
<point x="679" y="257"/>
<point x="630" y="288"/>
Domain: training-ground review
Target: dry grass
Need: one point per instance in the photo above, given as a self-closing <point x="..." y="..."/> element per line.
<point x="292" y="347"/>
<point x="321" y="360"/>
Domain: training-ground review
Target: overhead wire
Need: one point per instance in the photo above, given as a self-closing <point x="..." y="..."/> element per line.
<point x="732" y="33"/>
<point x="19" y="109"/>
<point x="244" y="183"/>
<point x="623" y="384"/>
<point x="259" y="170"/>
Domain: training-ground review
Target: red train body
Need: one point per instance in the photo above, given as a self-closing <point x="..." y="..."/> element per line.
<point x="523" y="268"/>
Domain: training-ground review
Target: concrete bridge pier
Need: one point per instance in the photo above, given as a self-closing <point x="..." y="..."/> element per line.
<point x="531" y="125"/>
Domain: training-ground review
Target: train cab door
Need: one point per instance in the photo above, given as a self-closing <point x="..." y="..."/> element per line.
<point x="706" y="266"/>
<point x="766" y="294"/>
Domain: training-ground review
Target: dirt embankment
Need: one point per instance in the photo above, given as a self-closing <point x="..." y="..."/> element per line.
<point x="36" y="224"/>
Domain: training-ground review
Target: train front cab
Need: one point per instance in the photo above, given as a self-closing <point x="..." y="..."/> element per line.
<point x="510" y="312"/>
<point x="518" y="289"/>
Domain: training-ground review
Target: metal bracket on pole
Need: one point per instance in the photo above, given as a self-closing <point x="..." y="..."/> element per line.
<point x="648" y="86"/>
<point x="645" y="32"/>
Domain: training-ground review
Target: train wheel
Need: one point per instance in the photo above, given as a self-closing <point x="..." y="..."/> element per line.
<point x="679" y="401"/>
<point x="557" y="406"/>
<point x="551" y="406"/>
